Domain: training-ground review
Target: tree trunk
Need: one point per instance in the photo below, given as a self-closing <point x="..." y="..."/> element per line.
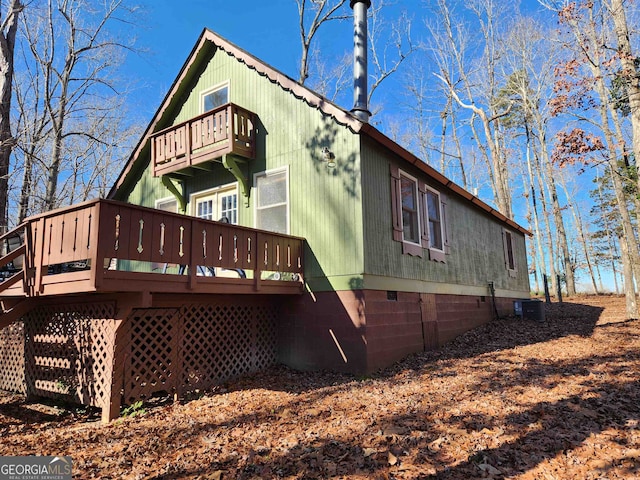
<point x="563" y="244"/>
<point x="577" y="218"/>
<point x="58" y="119"/>
<point x="7" y="142"/>
<point x="537" y="234"/>
<point x="627" y="59"/>
<point x="25" y="190"/>
<point x="629" y="253"/>
<point x="629" y="288"/>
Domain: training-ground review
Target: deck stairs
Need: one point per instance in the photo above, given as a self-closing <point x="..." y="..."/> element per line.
<point x="13" y="270"/>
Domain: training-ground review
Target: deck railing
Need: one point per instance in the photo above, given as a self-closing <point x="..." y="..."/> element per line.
<point x="12" y="249"/>
<point x="226" y="129"/>
<point x="105" y="245"/>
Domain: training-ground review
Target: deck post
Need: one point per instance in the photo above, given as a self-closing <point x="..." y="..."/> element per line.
<point x="154" y="160"/>
<point x="28" y="268"/>
<point x="38" y="255"/>
<point x="260" y="257"/>
<point x="94" y="243"/>
<point x="193" y="263"/>
<point x="187" y="141"/>
<point x="112" y="402"/>
<point x="124" y="307"/>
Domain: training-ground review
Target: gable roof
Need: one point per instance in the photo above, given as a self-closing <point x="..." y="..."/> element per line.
<point x="208" y="40"/>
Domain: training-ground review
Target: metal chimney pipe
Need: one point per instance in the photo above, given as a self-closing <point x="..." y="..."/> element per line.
<point x="360" y="91"/>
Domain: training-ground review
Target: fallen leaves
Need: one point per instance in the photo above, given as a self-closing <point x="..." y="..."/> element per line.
<point x="511" y="399"/>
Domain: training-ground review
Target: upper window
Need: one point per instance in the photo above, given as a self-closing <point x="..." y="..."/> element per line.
<point x="217" y="204"/>
<point x="215" y="97"/>
<point x="410" y="216"/>
<point x="272" y="201"/>
<point x="434" y="214"/>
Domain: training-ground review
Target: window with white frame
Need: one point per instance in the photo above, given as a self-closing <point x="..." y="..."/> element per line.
<point x="169" y="204"/>
<point x="410" y="213"/>
<point x="216" y="204"/>
<point x="214" y="97"/>
<point x="434" y="215"/>
<point x="272" y="201"/>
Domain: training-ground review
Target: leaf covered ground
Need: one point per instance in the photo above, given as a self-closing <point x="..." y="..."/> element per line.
<point x="512" y="399"/>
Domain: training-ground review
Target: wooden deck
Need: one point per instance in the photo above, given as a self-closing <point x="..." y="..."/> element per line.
<point x="105" y="246"/>
<point x="227" y="129"/>
<point x="106" y="301"/>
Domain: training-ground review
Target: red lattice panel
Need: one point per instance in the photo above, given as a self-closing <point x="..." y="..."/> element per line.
<point x="12" y="358"/>
<point x="68" y="351"/>
<point x="196" y="347"/>
<point x="221" y="342"/>
<point x="266" y="343"/>
<point x="150" y="366"/>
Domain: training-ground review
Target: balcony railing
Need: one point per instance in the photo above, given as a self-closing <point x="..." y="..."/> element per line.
<point x="107" y="246"/>
<point x="227" y="129"/>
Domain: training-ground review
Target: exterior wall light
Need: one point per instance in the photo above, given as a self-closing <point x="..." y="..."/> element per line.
<point x="329" y="157"/>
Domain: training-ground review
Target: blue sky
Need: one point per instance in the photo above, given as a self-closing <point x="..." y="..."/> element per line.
<point x="268" y="30"/>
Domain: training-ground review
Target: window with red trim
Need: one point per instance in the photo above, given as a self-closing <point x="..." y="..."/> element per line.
<point x="419" y="216"/>
<point x="410" y="215"/>
<point x="509" y="253"/>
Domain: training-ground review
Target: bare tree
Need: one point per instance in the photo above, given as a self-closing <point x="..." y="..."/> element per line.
<point x="73" y="75"/>
<point x="629" y="70"/>
<point x="580" y="229"/>
<point x="530" y="56"/>
<point x="312" y="15"/>
<point x="8" y="31"/>
<point x="473" y="88"/>
<point x="579" y="77"/>
<point x="388" y="49"/>
<point x="389" y="41"/>
<point x="330" y="79"/>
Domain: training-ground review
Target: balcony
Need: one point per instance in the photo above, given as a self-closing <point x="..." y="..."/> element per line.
<point x="105" y="246"/>
<point x="229" y="129"/>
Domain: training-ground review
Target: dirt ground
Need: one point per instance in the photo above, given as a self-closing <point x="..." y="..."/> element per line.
<point x="513" y="399"/>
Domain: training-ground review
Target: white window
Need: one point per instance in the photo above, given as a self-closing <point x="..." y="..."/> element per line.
<point x="169" y="204"/>
<point x="272" y="201"/>
<point x="434" y="216"/>
<point x="216" y="204"/>
<point x="410" y="214"/>
<point x="214" y="97"/>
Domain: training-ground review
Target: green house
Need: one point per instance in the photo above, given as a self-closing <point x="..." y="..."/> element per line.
<point x="255" y="223"/>
<point x="397" y="257"/>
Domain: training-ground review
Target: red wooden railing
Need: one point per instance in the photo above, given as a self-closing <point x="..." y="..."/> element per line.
<point x="101" y="245"/>
<point x="227" y="129"/>
<point x="13" y="249"/>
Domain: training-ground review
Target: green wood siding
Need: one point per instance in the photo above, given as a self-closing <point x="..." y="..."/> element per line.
<point x="325" y="205"/>
<point x="476" y="257"/>
<point x="344" y="213"/>
<point x="146" y="190"/>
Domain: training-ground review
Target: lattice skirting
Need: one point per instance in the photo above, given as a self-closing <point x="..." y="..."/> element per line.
<point x="197" y="346"/>
<point x="12" y="358"/>
<point x="61" y="351"/>
<point x="67" y="351"/>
